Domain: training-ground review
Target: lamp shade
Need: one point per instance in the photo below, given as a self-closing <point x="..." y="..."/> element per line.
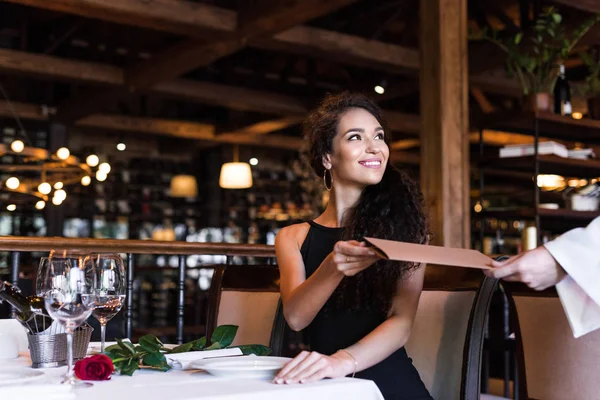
<point x="235" y="175"/>
<point x="184" y="186"/>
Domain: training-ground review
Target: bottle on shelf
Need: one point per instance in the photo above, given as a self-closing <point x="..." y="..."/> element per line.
<point x="562" y="94"/>
<point x="31" y="311"/>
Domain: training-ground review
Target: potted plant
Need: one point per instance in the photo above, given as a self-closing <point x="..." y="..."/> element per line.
<point x="533" y="57"/>
<point x="591" y="89"/>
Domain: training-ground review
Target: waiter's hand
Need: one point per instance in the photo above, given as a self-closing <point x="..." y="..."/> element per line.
<point x="536" y="268"/>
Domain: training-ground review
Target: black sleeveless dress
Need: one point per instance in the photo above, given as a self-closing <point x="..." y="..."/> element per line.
<point x="330" y="331"/>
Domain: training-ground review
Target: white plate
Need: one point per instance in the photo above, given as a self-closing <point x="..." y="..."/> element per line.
<point x="242" y="367"/>
<point x="11" y="376"/>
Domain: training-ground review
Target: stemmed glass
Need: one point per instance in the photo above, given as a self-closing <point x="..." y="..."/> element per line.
<point x="67" y="290"/>
<point x="109" y="287"/>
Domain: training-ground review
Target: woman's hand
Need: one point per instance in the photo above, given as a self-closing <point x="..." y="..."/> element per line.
<point x="351" y="257"/>
<point x="313" y="366"/>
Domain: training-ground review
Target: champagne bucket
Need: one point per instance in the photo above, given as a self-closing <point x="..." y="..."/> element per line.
<point x="50" y="350"/>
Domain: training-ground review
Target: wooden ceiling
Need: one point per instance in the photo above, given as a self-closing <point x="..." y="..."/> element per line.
<point x="228" y="73"/>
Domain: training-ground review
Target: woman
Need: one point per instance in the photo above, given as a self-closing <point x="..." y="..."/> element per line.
<point x="358" y="308"/>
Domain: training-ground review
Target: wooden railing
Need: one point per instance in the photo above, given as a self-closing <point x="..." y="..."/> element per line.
<point x="16" y="245"/>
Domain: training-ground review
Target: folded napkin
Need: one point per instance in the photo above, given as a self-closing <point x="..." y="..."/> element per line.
<point x="38" y="391"/>
<point x="183" y="360"/>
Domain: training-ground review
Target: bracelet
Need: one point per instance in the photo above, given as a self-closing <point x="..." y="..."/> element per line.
<point x="354" y="359"/>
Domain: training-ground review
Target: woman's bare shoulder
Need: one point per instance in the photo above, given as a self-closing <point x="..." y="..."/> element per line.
<point x="294" y="232"/>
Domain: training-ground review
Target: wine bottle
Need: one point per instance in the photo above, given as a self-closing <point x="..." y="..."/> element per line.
<point x="31" y="311"/>
<point x="562" y="94"/>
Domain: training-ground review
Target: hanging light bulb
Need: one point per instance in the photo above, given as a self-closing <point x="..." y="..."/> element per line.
<point x="12" y="183"/>
<point x="86" y="180"/>
<point x="380" y="89"/>
<point x="56" y="201"/>
<point x="92" y="160"/>
<point x="58" y="185"/>
<point x="40" y="205"/>
<point x="44" y="188"/>
<point x="100" y="176"/>
<point x="104" y="167"/>
<point x="60" y="194"/>
<point x="253" y="161"/>
<point x="121" y="146"/>
<point x="11" y="207"/>
<point x="17" y="146"/>
<point x="63" y="153"/>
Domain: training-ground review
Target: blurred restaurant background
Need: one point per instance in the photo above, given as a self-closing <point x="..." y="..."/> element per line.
<point x="147" y="121"/>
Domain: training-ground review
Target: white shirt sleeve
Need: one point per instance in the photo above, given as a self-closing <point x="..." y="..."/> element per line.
<point x="578" y="252"/>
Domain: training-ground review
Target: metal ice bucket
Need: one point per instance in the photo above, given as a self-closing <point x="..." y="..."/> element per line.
<point x="50" y="350"/>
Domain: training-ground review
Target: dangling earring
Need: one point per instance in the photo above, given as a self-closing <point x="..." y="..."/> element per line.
<point x="325" y="180"/>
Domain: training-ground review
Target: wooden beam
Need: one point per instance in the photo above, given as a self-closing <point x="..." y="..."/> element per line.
<point x="193" y="53"/>
<point x="264" y="127"/>
<point x="591" y="6"/>
<point x="445" y="120"/>
<point x="185" y="18"/>
<point x="197" y="20"/>
<point x="406" y="144"/>
<point x="234" y="97"/>
<point x="340" y="47"/>
<point x="50" y="67"/>
<point x="404" y="157"/>
<point x="152" y="126"/>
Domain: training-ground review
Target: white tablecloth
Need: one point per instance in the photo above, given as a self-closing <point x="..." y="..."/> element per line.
<point x="191" y="385"/>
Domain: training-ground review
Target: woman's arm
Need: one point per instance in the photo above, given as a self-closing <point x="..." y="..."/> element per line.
<point x="379" y="344"/>
<point x="303" y="298"/>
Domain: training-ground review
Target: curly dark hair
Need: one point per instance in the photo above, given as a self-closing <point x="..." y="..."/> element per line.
<point x="392" y="209"/>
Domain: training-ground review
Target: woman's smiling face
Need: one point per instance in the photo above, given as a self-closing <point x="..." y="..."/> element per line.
<point x="360" y="152"/>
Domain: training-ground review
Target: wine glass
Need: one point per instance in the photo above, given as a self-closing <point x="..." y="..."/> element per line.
<point x="109" y="287"/>
<point x="67" y="291"/>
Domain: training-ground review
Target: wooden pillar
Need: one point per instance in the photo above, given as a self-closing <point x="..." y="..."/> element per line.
<point x="445" y="119"/>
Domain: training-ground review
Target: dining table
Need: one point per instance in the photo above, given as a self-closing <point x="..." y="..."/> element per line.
<point x="175" y="384"/>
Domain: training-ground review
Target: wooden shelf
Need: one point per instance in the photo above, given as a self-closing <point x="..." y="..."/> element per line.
<point x="549" y="164"/>
<point x="550" y="125"/>
<point x="529" y="213"/>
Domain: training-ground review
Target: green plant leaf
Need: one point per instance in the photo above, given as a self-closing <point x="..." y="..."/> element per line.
<point x="224" y="334"/>
<point x="130" y="367"/>
<point x="257" y="349"/>
<point x="215" y="346"/>
<point x="182" y="348"/>
<point x="150" y="343"/>
<point x="156" y="359"/>
<point x="112" y="347"/>
<point x="557" y="18"/>
<point x="199" y="344"/>
<point x="518" y="38"/>
<point x="125" y="345"/>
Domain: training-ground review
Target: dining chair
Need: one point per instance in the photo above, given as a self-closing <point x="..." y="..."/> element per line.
<point x="446" y="341"/>
<point x="247" y="296"/>
<point x="552" y="364"/>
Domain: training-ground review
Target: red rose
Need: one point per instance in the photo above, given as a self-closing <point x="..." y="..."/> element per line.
<point x="95" y="368"/>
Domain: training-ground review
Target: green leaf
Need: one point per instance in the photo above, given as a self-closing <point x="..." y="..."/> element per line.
<point x="257" y="349"/>
<point x="182" y="348"/>
<point x="156" y="359"/>
<point x="117" y="352"/>
<point x="215" y="346"/>
<point x="150" y="343"/>
<point x="130" y="367"/>
<point x="199" y="344"/>
<point x="557" y="18"/>
<point x="111" y="348"/>
<point x="224" y="335"/>
<point x="518" y="38"/>
<point x="125" y="345"/>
